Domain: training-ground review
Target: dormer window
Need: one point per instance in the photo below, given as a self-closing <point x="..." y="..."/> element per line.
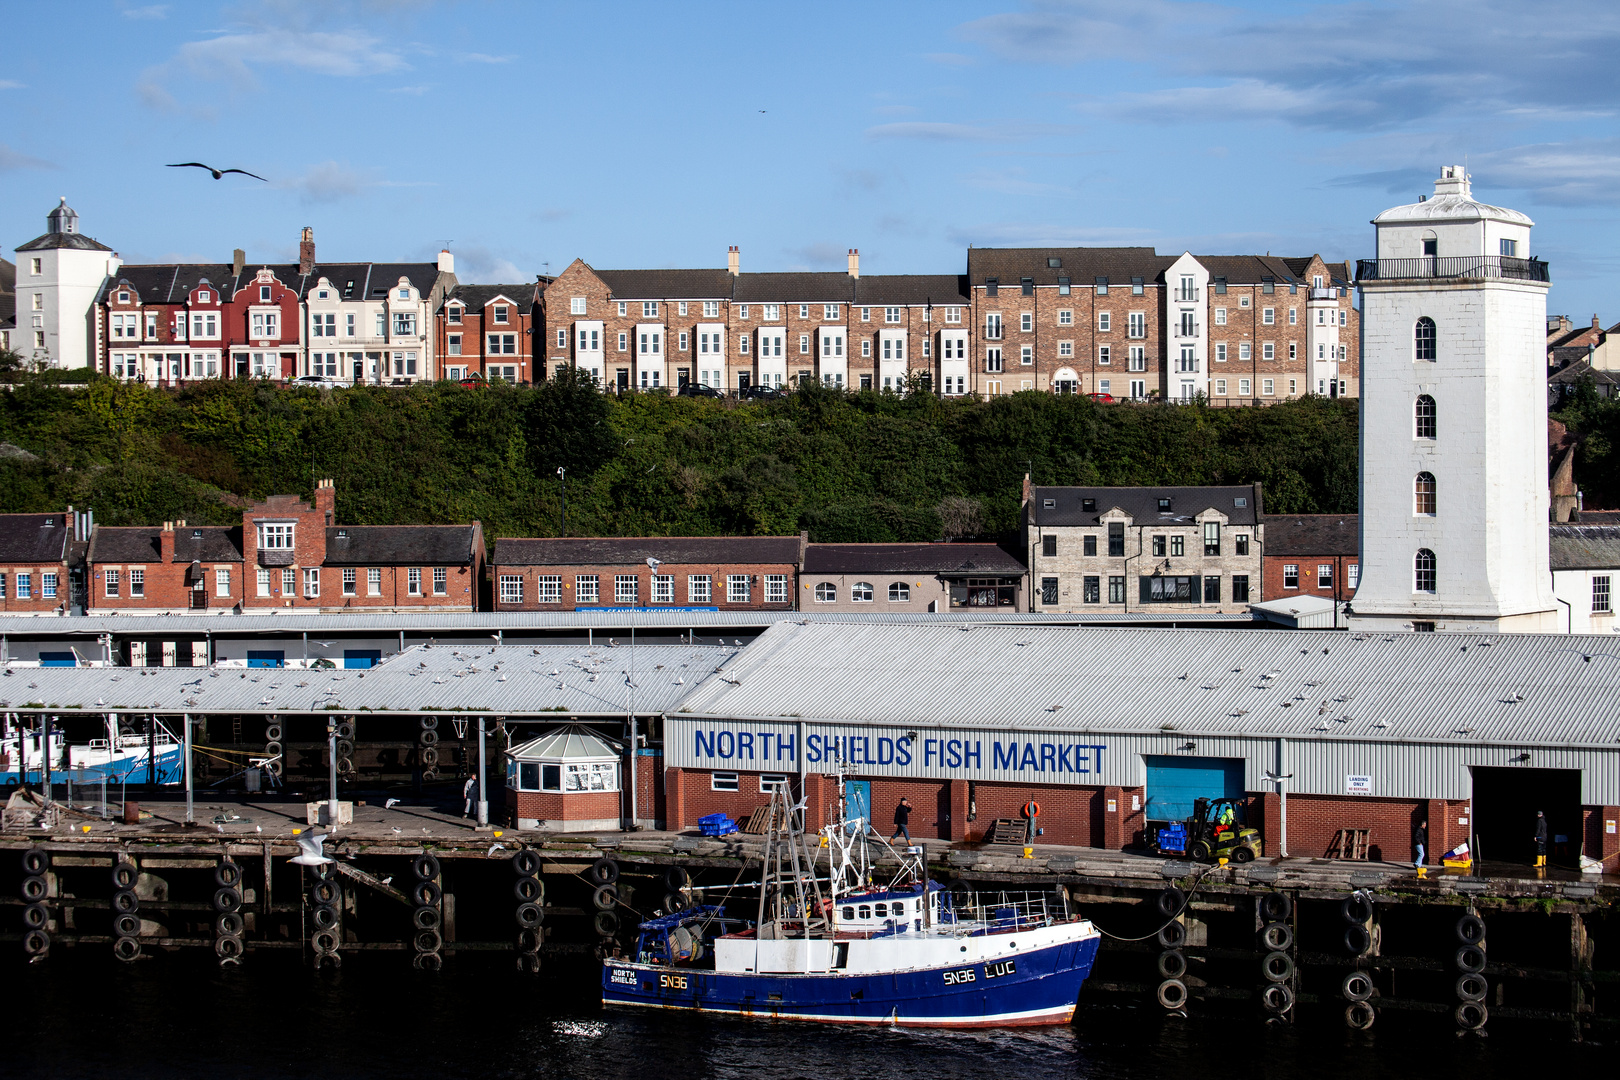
<point x="276" y="536"/>
<point x="500" y="313"/>
<point x="50" y="522"/>
<point x="1164" y="506"/>
<point x="1136" y="286"/>
<point x="343" y="534"/>
<point x="454" y="315"/>
<point x="323" y="294"/>
<point x="196" y="534"/>
<point x="1088" y="504"/>
<point x="1049" y="504"/>
<point x="1054" y="264"/>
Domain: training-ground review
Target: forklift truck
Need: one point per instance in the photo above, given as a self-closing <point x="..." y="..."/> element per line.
<point x="1206" y="838"/>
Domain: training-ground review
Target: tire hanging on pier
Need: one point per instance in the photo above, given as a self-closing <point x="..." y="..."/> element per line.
<point x="676" y="878"/>
<point x="606" y="923"/>
<point x="425" y="867"/>
<point x="229" y="924"/>
<point x="124" y="875"/>
<point x="1472" y="987"/>
<point x="1359" y="1015"/>
<point x="1471" y="1015"/>
<point x="126" y="923"/>
<point x="36" y="917"/>
<point x="1277" y="967"/>
<point x="1277" y="936"/>
<point x="1470" y="958"/>
<point x="1170" y="902"/>
<point x="36" y="943"/>
<point x="1277" y="998"/>
<point x="1173" y="935"/>
<point x="1471" y="930"/>
<point x="529" y="890"/>
<point x="127" y="948"/>
<point x="36" y="861"/>
<point x="227" y="875"/>
<point x="526" y="862"/>
<point x="1357" y="986"/>
<point x="603" y="872"/>
<point x="1172" y="994"/>
<point x="1172" y="964"/>
<point x="606" y="897"/>
<point x="1276" y="907"/>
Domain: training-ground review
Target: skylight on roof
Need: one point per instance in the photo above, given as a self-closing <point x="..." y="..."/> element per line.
<point x="1240" y="500"/>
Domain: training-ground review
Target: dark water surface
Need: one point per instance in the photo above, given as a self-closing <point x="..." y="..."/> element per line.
<point x="85" y="1016"/>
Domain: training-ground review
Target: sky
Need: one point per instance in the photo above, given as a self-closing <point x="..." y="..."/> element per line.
<point x="523" y="135"/>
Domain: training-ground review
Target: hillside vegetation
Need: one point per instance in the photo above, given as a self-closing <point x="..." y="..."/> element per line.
<point x="844" y="466"/>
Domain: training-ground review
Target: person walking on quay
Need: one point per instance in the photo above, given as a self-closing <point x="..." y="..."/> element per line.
<point x="467" y="796"/>
<point x="1420" y="847"/>
<point x="1541" y="840"/>
<point x="902" y="820"/>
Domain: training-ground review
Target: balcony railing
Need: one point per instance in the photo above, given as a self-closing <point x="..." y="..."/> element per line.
<point x="1331" y="294"/>
<point x="1186" y="330"/>
<point x="1185" y="296"/>
<point x="1466" y="267"/>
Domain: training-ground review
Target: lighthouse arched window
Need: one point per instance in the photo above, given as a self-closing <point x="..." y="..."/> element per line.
<point x="1423" y="339"/>
<point x="1423" y="571"/>
<point x="1423" y="495"/>
<point x="1423" y="418"/>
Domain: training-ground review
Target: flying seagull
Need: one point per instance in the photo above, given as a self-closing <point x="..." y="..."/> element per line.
<point x="217" y="173"/>
<point x="310" y="850"/>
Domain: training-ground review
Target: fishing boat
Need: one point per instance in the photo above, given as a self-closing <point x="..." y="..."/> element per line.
<point x="30" y="756"/>
<point x="835" y="942"/>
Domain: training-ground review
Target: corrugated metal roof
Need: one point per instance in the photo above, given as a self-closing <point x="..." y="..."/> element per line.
<point x="487" y="622"/>
<point x="504" y="680"/>
<point x="1523" y="689"/>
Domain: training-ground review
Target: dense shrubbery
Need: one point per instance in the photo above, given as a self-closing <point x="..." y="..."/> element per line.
<point x="847" y="467"/>
<point x="1596" y="420"/>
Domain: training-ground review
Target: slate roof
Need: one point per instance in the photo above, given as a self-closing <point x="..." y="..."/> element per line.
<point x="53" y="241"/>
<point x="1082" y="266"/>
<point x="1599" y="517"/>
<point x="401" y="545"/>
<point x="476" y="296"/>
<point x="1141" y="503"/>
<point x="1313" y="534"/>
<point x="171" y="283"/>
<point x="880" y="289"/>
<point x="1584" y="547"/>
<point x="908" y="559"/>
<point x="25" y="538"/>
<point x="1249" y="269"/>
<point x="1573" y="372"/>
<point x="8" y="276"/>
<point x="636" y="550"/>
<point x="795" y="288"/>
<point x="662" y="284"/>
<point x="140" y="544"/>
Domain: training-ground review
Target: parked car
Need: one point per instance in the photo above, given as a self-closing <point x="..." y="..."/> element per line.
<point x="320" y="382"/>
<point x="699" y="390"/>
<point x="474" y="381"/>
<point x="763" y="393"/>
<point x="1101" y="397"/>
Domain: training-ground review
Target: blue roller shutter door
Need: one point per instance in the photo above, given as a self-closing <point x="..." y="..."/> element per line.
<point x="1174" y="782"/>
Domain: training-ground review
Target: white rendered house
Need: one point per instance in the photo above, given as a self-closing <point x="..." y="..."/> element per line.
<point x="58" y="277"/>
<point x="1454" y="500"/>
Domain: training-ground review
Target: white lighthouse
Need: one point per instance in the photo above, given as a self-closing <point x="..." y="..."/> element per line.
<point x="1453" y="420"/>
<point x="59" y="275"/>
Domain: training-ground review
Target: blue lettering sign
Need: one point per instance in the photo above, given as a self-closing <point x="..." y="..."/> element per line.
<point x="784" y="747"/>
<point x="702" y="747"/>
<point x="812" y="748"/>
<point x="930" y="751"/>
<point x="1000" y="760"/>
<point x="971" y="754"/>
<point x="885" y="750"/>
<point x="745" y="742"/>
<point x="1063" y="758"/>
<point x="725" y="744"/>
<point x="953" y="754"/>
<point x="1029" y="761"/>
<point x="1048" y="756"/>
<point x="902" y="747"/>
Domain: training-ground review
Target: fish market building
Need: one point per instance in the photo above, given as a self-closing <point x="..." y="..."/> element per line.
<point x="1111" y="729"/>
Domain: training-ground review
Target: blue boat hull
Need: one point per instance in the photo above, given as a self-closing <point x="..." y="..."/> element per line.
<point x="132" y="770"/>
<point x="1034" y="988"/>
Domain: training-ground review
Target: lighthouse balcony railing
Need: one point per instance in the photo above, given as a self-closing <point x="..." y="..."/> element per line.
<point x="1463" y="267"/>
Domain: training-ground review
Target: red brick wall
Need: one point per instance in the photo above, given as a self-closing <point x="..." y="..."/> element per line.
<point x="605" y="575"/>
<point x="556" y="806"/>
<point x="1597" y="841"/>
<point x="1271" y="575"/>
<point x="36" y="601"/>
<point x="475" y="326"/>
<point x="649" y="769"/>
<point x="461" y="589"/>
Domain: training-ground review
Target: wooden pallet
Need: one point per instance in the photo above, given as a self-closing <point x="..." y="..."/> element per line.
<point x="1007" y="831"/>
<point x="758" y="823"/>
<point x="1350" y="844"/>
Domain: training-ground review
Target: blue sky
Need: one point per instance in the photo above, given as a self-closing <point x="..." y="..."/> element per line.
<point x="657" y="134"/>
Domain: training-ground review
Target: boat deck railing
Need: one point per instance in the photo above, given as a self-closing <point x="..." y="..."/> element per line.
<point x="998" y="912"/>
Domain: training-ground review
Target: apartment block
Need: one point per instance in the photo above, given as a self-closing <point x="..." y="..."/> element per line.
<point x="487" y="331"/>
<point x="724" y="573"/>
<point x="1170" y="550"/>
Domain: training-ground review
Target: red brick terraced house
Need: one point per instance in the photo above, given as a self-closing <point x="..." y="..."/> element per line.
<point x="725" y="573"/>
<point x="34" y="550"/>
<point x="488" y="331"/>
<point x="287" y="553"/>
<point x="1311" y="555"/>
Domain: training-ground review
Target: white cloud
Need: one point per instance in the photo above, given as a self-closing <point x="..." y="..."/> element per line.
<point x="327" y="182"/>
<point x="148" y="13"/>
<point x="10" y="84"/>
<point x="484" y="58"/>
<point x="1012" y="181"/>
<point x="235" y="58"/>
<point x="995" y="131"/>
<point x="12" y="160"/>
<point x="476" y="264"/>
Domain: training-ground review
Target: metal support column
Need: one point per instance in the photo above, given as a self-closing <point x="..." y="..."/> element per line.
<point x="483" y="794"/>
<point x="186" y="750"/>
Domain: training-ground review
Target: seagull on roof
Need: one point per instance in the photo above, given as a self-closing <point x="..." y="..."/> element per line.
<point x="216" y="173"/>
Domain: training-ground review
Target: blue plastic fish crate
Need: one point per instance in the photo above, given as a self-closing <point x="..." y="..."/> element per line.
<point x="716" y="825"/>
<point x="1173" y="839"/>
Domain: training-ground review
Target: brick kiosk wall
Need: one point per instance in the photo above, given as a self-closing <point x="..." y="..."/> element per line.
<point x="692" y="797"/>
<point x="555" y="806"/>
<point x="605" y="575"/>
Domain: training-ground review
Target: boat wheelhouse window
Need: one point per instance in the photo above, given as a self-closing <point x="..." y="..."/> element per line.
<point x="551" y="778"/>
<point x="865" y="912"/>
<point x="723" y="781"/>
<point x="881" y="911"/>
<point x="849" y="913"/>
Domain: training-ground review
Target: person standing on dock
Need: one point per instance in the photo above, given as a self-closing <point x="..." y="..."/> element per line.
<point x="902" y="820"/>
<point x="1420" y="846"/>
<point x="467" y="796"/>
<point x="1541" y="839"/>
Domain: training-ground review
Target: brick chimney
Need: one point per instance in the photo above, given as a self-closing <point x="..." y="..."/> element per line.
<point x="734" y="260"/>
<point x="325" y="500"/>
<point x="238" y="260"/>
<point x="854" y="262"/>
<point x="306" y="251"/>
<point x="166" y="543"/>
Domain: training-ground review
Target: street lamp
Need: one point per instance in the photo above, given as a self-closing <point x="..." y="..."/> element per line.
<point x="1282" y="798"/>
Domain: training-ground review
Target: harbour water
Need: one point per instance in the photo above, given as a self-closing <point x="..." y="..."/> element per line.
<point x="175" y="1016"/>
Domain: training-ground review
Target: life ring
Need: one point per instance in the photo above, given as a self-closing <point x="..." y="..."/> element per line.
<point x="1032" y="809"/>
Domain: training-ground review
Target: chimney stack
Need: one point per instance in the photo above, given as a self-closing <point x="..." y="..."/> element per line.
<point x="854" y="262"/>
<point x="306" y="252"/>
<point x="325" y="500"/>
<point x="166" y="543"/>
<point x="447" y="262"/>
<point x="238" y="260"/>
<point x="734" y="260"/>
